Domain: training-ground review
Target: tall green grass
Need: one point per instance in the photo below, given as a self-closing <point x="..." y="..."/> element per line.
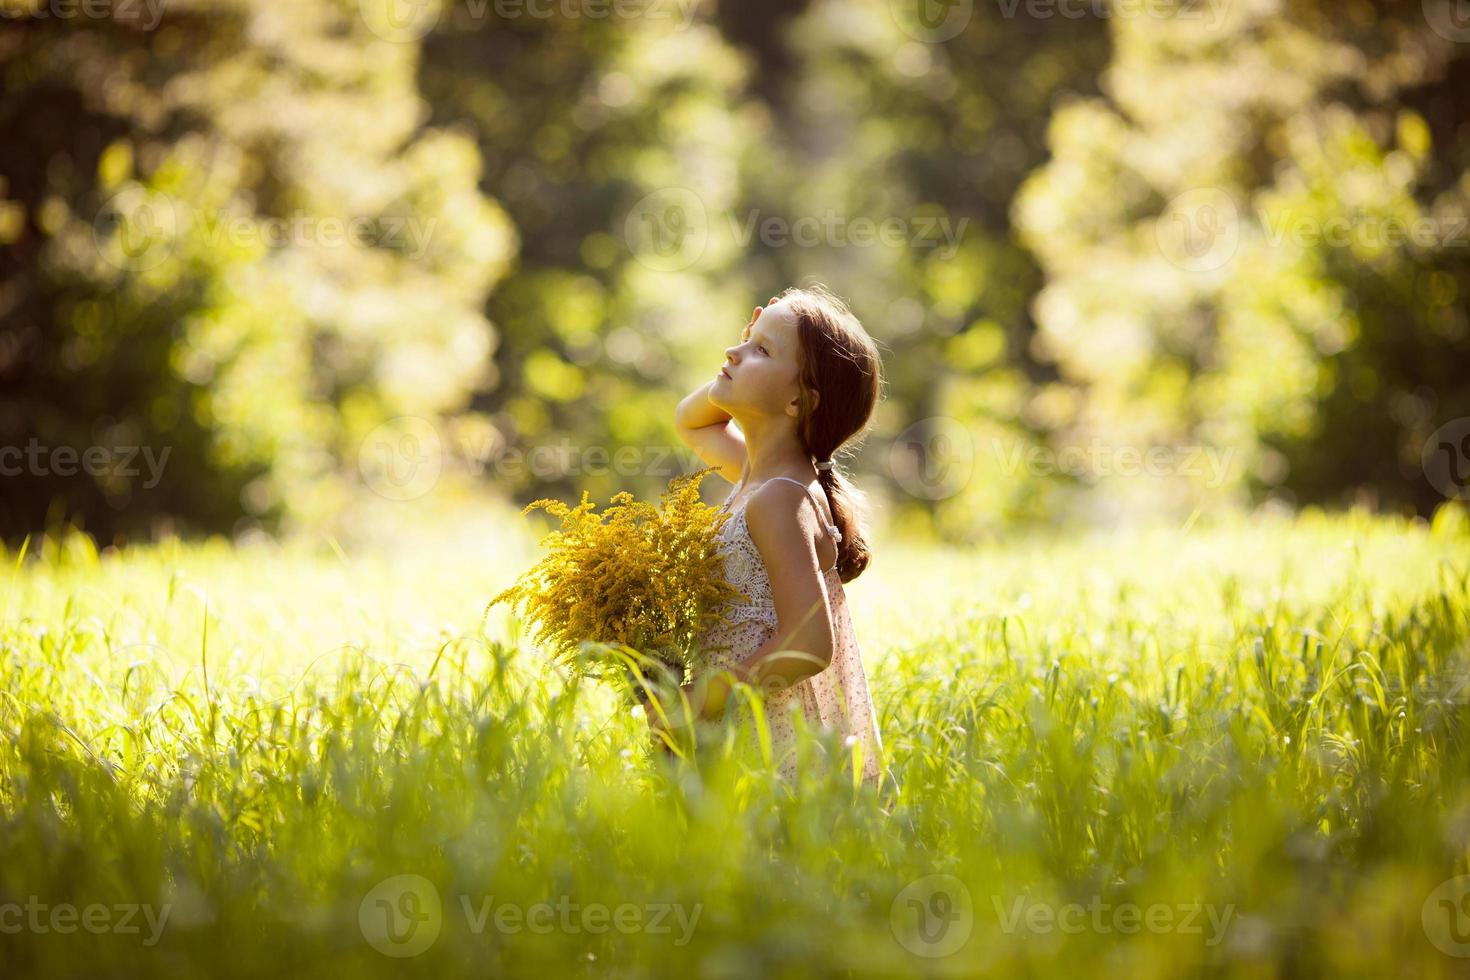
<point x="1235" y="751"/>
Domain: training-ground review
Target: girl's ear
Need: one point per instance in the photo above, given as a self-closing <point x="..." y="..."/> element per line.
<point x="794" y="409"/>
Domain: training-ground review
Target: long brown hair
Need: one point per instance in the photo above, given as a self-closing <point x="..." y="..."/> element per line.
<point x="841" y="363"/>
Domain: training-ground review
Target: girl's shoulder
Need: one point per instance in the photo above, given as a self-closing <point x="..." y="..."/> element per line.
<point x="779" y="500"/>
<point x="784" y="530"/>
<point x="784" y="488"/>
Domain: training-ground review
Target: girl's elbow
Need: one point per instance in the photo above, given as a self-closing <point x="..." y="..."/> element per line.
<point x="823" y="651"/>
<point x="807" y="653"/>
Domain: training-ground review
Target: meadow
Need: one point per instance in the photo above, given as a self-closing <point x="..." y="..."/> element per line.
<point x="1230" y="750"/>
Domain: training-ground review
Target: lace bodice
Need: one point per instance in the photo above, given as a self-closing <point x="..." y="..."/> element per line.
<point x="836" y="697"/>
<point x="746" y="570"/>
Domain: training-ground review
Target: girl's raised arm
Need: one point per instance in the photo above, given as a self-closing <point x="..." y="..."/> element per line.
<point x="709" y="432"/>
<point x="707" y="429"/>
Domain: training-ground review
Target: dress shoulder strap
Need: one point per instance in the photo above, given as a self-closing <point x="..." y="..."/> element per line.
<point x="821" y="514"/>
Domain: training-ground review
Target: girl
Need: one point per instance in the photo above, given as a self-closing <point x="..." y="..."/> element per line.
<point x="804" y="379"/>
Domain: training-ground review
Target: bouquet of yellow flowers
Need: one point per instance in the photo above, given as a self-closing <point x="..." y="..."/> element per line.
<point x="627" y="593"/>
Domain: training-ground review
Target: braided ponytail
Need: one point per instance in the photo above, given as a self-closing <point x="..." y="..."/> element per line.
<point x="841" y="381"/>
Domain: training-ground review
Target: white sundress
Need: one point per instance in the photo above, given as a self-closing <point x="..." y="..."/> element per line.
<point x="837" y="697"/>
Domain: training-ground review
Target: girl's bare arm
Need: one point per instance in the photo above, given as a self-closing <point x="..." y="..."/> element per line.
<point x="710" y="433"/>
<point x="708" y="430"/>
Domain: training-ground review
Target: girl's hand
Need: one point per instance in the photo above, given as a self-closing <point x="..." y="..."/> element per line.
<point x="757" y="315"/>
<point x="669" y="709"/>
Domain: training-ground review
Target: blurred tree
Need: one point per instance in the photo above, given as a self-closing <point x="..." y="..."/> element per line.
<point x="1256" y="243"/>
<point x="611" y="141"/>
<point x="228" y="237"/>
<point x="271" y="240"/>
<point x="906" y="138"/>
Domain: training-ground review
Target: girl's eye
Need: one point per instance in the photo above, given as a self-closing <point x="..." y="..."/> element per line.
<point x="764" y="351"/>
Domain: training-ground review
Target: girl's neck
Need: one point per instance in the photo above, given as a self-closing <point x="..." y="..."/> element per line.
<point x="773" y="449"/>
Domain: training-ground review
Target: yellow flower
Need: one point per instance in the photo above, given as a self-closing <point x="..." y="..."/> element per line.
<point x="638" y="575"/>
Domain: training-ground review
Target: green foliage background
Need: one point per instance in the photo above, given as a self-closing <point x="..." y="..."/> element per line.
<point x="1112" y="219"/>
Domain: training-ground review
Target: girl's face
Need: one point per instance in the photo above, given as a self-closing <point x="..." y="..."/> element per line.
<point x="761" y="372"/>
